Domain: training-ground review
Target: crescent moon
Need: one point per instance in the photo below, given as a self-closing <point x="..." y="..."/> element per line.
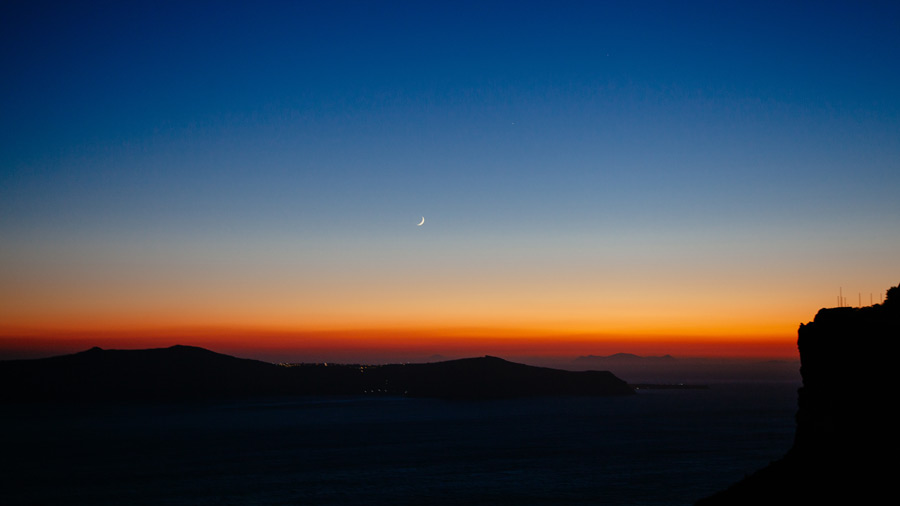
<point x="421" y="222"/>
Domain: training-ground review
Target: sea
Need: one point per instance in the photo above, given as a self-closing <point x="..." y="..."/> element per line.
<point x="659" y="447"/>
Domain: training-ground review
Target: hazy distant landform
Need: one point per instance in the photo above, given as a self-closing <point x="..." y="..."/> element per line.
<point x="189" y="372"/>
<point x="186" y="372"/>
<point x="690" y="370"/>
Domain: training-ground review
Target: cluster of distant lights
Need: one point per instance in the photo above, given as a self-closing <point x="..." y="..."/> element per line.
<point x="362" y="369"/>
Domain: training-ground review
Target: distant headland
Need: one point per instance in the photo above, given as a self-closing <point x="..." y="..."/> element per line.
<point x="192" y="373"/>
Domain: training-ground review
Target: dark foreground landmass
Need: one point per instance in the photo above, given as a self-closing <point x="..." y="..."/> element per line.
<point x="845" y="436"/>
<point x="191" y="373"/>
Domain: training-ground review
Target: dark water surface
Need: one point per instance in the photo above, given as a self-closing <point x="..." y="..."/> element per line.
<point x="659" y="447"/>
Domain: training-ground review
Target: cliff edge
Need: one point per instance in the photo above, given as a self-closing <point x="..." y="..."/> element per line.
<point x="844" y="440"/>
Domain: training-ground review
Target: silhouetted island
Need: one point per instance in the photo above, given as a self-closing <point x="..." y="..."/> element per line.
<point x="189" y="373"/>
<point x="844" y="441"/>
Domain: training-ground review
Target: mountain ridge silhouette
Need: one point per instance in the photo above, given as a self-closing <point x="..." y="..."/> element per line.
<point x="189" y="373"/>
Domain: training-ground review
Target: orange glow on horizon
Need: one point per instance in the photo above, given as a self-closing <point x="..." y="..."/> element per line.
<point x="385" y="312"/>
<point x="381" y="344"/>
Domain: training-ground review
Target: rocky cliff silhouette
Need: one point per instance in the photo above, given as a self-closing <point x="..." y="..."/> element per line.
<point x="190" y="373"/>
<point x="844" y="441"/>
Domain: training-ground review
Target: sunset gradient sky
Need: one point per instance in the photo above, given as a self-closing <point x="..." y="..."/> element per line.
<point x="693" y="178"/>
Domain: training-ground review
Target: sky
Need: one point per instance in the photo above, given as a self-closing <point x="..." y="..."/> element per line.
<point x="691" y="178"/>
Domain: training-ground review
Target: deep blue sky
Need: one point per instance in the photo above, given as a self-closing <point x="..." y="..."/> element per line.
<point x="749" y="146"/>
